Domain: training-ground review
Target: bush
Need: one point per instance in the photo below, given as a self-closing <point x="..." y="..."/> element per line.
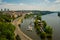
<point x="38" y="17"/>
<point x="43" y="35"/>
<point x="7" y="30"/>
<point x="44" y="24"/>
<point x="48" y="30"/>
<point x="6" y="18"/>
<point x="3" y="38"/>
<point x="49" y="36"/>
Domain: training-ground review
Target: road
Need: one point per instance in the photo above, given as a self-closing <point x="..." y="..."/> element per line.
<point x="18" y="31"/>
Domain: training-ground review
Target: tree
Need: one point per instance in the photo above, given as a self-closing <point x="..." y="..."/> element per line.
<point x="7" y="30"/>
<point x="43" y="35"/>
<point x="38" y="17"/>
<point x="48" y="30"/>
<point x="35" y="22"/>
<point x="44" y="24"/>
<point x="3" y="38"/>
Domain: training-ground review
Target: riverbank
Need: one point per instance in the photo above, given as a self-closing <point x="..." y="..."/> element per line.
<point x="54" y="21"/>
<point x="32" y="33"/>
<point x="42" y="29"/>
<point x="16" y="22"/>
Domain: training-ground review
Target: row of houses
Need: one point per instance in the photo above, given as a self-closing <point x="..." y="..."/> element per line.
<point x="13" y="13"/>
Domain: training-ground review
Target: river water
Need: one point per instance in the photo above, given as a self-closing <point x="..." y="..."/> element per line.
<point x="52" y="19"/>
<point x="32" y="34"/>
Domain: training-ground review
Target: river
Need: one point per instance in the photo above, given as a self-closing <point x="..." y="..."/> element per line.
<point x="52" y="19"/>
<point x="32" y="34"/>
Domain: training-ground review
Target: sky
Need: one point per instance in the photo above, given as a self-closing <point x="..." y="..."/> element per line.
<point x="50" y="5"/>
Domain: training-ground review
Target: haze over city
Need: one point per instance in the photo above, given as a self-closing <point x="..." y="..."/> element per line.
<point x="51" y="5"/>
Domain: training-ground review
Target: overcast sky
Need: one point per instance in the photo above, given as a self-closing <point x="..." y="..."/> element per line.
<point x="51" y="5"/>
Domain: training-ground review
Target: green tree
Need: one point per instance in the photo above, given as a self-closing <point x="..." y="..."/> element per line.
<point x="44" y="24"/>
<point x="7" y="30"/>
<point x="3" y="38"/>
<point x="38" y="17"/>
<point x="48" y="30"/>
<point x="43" y="35"/>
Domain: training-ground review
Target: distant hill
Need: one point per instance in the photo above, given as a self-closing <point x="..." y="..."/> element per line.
<point x="36" y="11"/>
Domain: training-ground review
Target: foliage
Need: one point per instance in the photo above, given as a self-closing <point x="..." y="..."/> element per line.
<point x="48" y="29"/>
<point x="1" y="12"/>
<point x="38" y="17"/>
<point x="3" y="38"/>
<point x="42" y="34"/>
<point x="5" y="18"/>
<point x="28" y="15"/>
<point x="7" y="30"/>
<point x="36" y="22"/>
<point x="44" y="24"/>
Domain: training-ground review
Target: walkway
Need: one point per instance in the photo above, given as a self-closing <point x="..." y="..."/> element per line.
<point x="16" y="22"/>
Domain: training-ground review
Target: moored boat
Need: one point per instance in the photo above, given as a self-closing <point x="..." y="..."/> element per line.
<point x="29" y="28"/>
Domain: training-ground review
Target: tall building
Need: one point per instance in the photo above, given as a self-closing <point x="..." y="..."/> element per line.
<point x="1" y="9"/>
<point x="5" y="9"/>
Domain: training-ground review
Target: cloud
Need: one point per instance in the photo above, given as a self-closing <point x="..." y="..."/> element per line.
<point x="52" y="1"/>
<point x="0" y="1"/>
<point x="30" y="7"/>
<point x="22" y="4"/>
<point x="46" y="5"/>
<point x="57" y="1"/>
<point x="47" y="1"/>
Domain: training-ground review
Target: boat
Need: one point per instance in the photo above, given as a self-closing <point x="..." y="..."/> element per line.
<point x="29" y="28"/>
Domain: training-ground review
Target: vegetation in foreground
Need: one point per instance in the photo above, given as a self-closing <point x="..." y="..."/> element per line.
<point x="6" y="28"/>
<point x="6" y="31"/>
